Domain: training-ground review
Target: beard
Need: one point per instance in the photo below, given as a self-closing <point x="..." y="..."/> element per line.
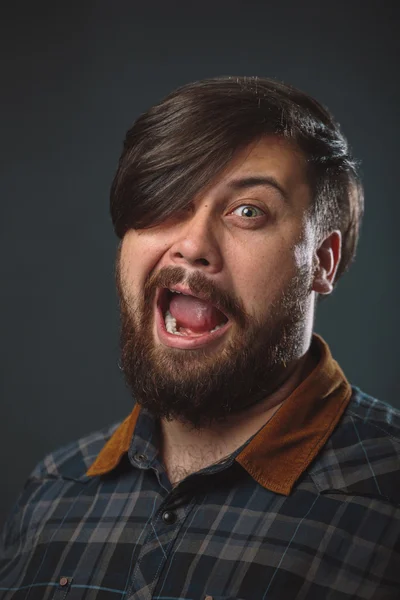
<point x="205" y="385"/>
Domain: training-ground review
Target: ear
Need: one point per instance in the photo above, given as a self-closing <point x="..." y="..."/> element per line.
<point x="327" y="258"/>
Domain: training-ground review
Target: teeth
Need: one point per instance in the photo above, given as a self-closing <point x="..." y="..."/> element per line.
<point x="170" y="325"/>
<point x="176" y="292"/>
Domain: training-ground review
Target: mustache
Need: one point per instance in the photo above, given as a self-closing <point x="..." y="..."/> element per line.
<point x="198" y="284"/>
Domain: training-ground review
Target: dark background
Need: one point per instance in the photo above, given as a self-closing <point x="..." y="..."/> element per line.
<point x="74" y="77"/>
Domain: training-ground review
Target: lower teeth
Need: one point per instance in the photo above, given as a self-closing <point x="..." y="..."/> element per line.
<point x="170" y="325"/>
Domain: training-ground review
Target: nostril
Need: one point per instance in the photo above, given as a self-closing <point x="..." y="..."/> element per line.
<point x="198" y="261"/>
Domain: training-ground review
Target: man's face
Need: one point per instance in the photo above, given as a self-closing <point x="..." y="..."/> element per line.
<point x="243" y="255"/>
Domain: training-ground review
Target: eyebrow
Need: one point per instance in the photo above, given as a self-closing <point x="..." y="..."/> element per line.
<point x="257" y="181"/>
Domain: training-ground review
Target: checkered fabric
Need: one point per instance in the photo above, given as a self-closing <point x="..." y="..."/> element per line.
<point x="218" y="534"/>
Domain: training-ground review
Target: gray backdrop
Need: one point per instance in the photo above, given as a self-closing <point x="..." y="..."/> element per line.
<point x="75" y="75"/>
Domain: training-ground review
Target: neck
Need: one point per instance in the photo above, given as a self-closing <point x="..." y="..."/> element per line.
<point x="186" y="450"/>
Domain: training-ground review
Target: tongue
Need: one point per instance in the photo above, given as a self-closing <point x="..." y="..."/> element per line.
<point x="194" y="314"/>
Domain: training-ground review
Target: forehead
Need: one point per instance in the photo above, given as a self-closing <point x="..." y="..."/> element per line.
<point x="272" y="158"/>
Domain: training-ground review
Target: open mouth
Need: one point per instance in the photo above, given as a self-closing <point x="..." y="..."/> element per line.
<point x="188" y="317"/>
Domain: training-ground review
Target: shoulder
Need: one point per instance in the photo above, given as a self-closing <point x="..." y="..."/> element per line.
<point x="375" y="424"/>
<point x="71" y="461"/>
<point x="362" y="456"/>
<point x="375" y="413"/>
<point x="60" y="475"/>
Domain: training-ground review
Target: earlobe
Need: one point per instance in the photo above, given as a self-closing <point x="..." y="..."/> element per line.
<point x="327" y="258"/>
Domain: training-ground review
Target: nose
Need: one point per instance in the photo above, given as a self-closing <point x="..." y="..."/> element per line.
<point x="197" y="245"/>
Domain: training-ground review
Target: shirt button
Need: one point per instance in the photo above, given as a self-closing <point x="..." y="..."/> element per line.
<point x="169" y="517"/>
<point x="63" y="581"/>
<point x="140" y="457"/>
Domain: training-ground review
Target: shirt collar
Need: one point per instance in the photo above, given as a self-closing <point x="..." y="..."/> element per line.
<point x="283" y="449"/>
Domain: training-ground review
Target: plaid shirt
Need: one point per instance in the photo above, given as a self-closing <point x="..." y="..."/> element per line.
<point x="322" y="525"/>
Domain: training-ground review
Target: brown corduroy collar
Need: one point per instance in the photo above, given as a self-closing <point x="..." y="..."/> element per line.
<point x="283" y="449"/>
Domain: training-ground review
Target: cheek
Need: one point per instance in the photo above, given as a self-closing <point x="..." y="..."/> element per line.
<point x="138" y="258"/>
<point x="303" y="249"/>
<point x="261" y="276"/>
<point x="130" y="266"/>
<point x="259" y="279"/>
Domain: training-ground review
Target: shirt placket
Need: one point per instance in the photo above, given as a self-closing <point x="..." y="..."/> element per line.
<point x="161" y="534"/>
<point x="164" y="529"/>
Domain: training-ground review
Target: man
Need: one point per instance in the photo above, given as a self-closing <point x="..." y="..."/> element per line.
<point x="249" y="467"/>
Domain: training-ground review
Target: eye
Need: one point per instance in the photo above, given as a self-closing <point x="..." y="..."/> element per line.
<point x="248" y="211"/>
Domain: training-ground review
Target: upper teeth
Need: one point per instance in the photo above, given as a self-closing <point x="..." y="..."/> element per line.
<point x="176" y="292"/>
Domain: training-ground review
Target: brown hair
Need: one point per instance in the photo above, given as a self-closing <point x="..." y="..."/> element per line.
<point x="178" y="146"/>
